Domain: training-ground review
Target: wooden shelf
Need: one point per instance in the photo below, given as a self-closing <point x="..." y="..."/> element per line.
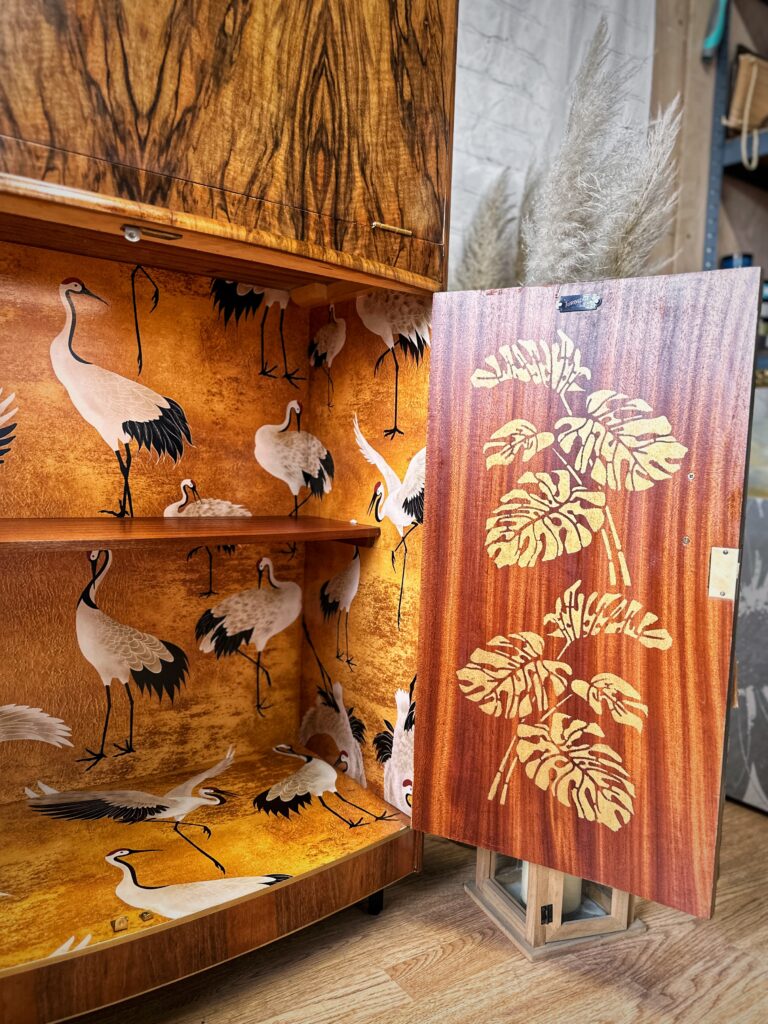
<point x="53" y="216"/>
<point x="57" y="885"/>
<point x="103" y="532"/>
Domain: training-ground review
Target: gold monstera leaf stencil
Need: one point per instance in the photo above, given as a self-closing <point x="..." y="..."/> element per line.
<point x="515" y="437"/>
<point x="556" y="365"/>
<point x="559" y="756"/>
<point x="558" y="517"/>
<point x="620" y="698"/>
<point x="510" y="677"/>
<point x="618" y="445"/>
<point x="579" y="615"/>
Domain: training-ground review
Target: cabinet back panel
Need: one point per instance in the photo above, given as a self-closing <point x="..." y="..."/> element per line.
<point x="573" y="671"/>
<point x="58" y="465"/>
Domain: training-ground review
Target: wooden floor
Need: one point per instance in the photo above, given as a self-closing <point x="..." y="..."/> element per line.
<point x="432" y="956"/>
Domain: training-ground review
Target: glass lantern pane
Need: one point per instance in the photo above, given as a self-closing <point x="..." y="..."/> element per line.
<point x="582" y="900"/>
<point x="510" y="874"/>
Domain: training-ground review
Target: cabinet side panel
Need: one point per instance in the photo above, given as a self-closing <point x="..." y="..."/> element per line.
<point x="573" y="666"/>
<point x="380" y="684"/>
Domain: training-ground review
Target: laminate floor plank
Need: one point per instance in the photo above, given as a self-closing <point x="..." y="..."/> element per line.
<point x="432" y="957"/>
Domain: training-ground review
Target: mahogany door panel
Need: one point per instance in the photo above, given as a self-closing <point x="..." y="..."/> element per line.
<point x="574" y="660"/>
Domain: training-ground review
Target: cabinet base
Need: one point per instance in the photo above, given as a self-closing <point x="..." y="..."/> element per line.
<point x="90" y="979"/>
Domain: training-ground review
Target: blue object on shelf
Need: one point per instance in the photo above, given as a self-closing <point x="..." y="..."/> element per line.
<point x="736" y="259"/>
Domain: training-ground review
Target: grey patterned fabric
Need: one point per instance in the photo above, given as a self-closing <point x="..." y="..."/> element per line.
<point x="747" y="766"/>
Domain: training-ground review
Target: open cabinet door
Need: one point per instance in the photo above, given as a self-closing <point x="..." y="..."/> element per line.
<point x="585" y="474"/>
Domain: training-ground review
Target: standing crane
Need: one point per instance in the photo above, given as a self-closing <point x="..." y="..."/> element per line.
<point x="315" y="778"/>
<point x="19" y="722"/>
<point x="192" y="506"/>
<point x="121" y="652"/>
<point x="336" y="596"/>
<point x="401" y="321"/>
<point x="119" y="409"/>
<point x="133" y="807"/>
<point x="403" y="504"/>
<point x="329" y="717"/>
<point x="250" y="617"/>
<point x="7" y="436"/>
<point x="235" y="298"/>
<point x="326" y="345"/>
<point x="297" y="458"/>
<point x="394" y="749"/>
<point x="174" y="901"/>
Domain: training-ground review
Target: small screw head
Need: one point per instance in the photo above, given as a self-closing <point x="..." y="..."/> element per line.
<point x="131" y="233"/>
<point x="722" y="593"/>
<point x="691" y="476"/>
<point x="686" y="540"/>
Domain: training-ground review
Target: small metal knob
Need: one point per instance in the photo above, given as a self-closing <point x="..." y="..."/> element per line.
<point x="131" y="233"/>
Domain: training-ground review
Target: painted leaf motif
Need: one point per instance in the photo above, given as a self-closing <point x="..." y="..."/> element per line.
<point x="559" y="756"/>
<point x="556" y="518"/>
<point x="513" y="437"/>
<point x="509" y="678"/>
<point x="556" y="365"/>
<point x="619" y="697"/>
<point x="579" y="615"/>
<point x="618" y="445"/>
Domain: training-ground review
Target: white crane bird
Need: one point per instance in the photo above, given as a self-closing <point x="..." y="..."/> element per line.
<point x="336" y="597"/>
<point x="132" y="807"/>
<point x="19" y="722"/>
<point x="119" y="409"/>
<point x="251" y="616"/>
<point x="7" y="436"/>
<point x="403" y="504"/>
<point x="174" y="901"/>
<point x="326" y="345"/>
<point x="401" y="321"/>
<point x="297" y="458"/>
<point x="121" y="652"/>
<point x="193" y="506"/>
<point x="236" y="298"/>
<point x="315" y="778"/>
<point x="394" y="749"/>
<point x="329" y="717"/>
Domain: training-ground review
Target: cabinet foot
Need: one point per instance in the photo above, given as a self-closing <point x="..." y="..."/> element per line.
<point x="373" y="904"/>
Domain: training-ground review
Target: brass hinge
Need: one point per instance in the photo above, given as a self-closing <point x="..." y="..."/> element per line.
<point x="391" y="227"/>
<point x="724" y="572"/>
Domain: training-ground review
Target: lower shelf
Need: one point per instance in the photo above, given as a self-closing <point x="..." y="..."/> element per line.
<point x="60" y="953"/>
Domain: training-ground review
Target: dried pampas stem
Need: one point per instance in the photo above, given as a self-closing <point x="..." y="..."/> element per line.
<point x="604" y="202"/>
<point x="487" y="257"/>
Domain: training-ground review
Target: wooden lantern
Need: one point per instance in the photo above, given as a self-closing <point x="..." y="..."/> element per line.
<point x="545" y="912"/>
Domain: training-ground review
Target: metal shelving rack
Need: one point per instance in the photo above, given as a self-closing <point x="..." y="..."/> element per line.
<point x="725" y="158"/>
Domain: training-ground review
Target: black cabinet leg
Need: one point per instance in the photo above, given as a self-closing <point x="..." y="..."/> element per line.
<point x="373" y="904"/>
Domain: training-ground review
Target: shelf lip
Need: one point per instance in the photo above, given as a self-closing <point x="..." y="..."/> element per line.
<point x="78" y="209"/>
<point x="97" y="532"/>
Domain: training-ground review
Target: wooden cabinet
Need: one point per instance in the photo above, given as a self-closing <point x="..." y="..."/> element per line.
<point x="306" y="122"/>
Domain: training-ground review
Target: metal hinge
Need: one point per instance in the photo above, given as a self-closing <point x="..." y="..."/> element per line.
<point x="547" y="913"/>
<point x="724" y="572"/>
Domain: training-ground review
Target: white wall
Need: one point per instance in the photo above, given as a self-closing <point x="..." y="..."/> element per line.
<point x="516" y="61"/>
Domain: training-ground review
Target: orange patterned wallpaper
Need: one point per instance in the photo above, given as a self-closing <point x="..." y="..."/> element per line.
<point x="384" y="654"/>
<point x="201" y="348"/>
